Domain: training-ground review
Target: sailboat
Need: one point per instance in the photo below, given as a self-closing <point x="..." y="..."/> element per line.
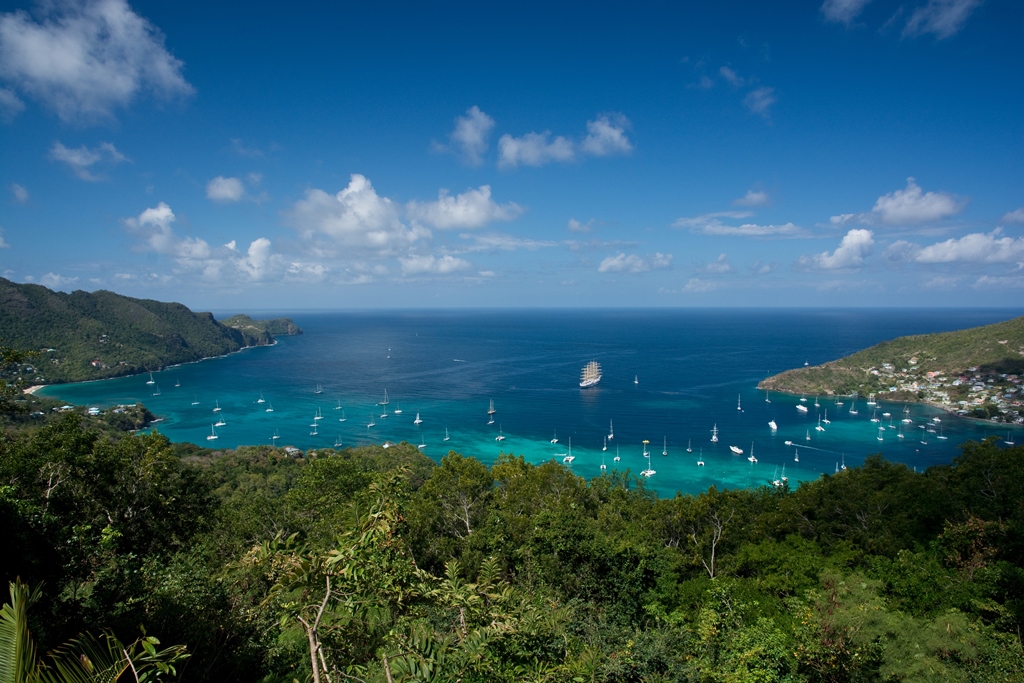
<point x="751" y="457"/>
<point x="826" y="420"/>
<point x="151" y="380"/>
<point x="157" y="392"/>
<point x="554" y="439"/>
<point x="603" y="466"/>
<point x="906" y="414"/>
<point x="689" y="445"/>
<point x="569" y="456"/>
<point x="370" y="423"/>
<point x="605" y="447"/>
<point x="940" y="436"/>
<point x="501" y="437"/>
<point x="338" y="444"/>
<point x="853" y="408"/>
<point x="796" y="455"/>
<point x="871" y="400"/>
<point x="213" y="433"/>
<point x="784" y="478"/>
<point x="220" y="422"/>
<point x="636" y="379"/>
<point x="611" y="431"/>
<point x="195" y="399"/>
<point x="664" y="446"/>
<point x="261" y="399"/>
<point x="874" y="416"/>
<point x="808" y="437"/>
<point x="491" y="410"/>
<point x="879" y="437"/>
<point x="714" y="433"/>
<point x="319" y="389"/>
<point x="648" y="472"/>
<point x="338" y="407"/>
<point x="700" y="458"/>
<point x="319" y="416"/>
<point x="270" y="408"/>
<point x="775" y="478"/>
<point x="590" y="375"/>
<point x="819" y="428"/>
<point x="275" y="437"/>
<point x="843" y="466"/>
<point x="616" y="458"/>
<point x="177" y="382"/>
<point x="739" y="407"/>
<point x="446" y="437"/>
<point x="384" y="404"/>
<point x="766" y="399"/>
<point x="1009" y="439"/>
<point x="343" y="417"/>
<point x="398" y="409"/>
<point x="216" y="407"/>
<point x="314" y="432"/>
<point x="417" y="421"/>
<point x="816" y="404"/>
<point x="646" y="443"/>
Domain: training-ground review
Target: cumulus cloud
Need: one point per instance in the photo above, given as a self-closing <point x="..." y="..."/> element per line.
<point x="355" y="218"/>
<point x="752" y="198"/>
<point x="843" y="11"/>
<point x="718" y="267"/>
<point x="943" y="18"/>
<point x="222" y="189"/>
<point x="731" y="76"/>
<point x="975" y="248"/>
<point x="760" y="100"/>
<point x="470" y="135"/>
<point x="19" y="193"/>
<point x="534" y="149"/>
<point x="634" y="263"/>
<point x="424" y="265"/>
<point x="154" y="227"/>
<point x="712" y="224"/>
<point x="850" y="253"/>
<point x="84" y="58"/>
<point x="1015" y="216"/>
<point x="80" y="160"/>
<point x="909" y="206"/>
<point x="606" y="135"/>
<point x="576" y="226"/>
<point x="57" y="281"/>
<point x="471" y="209"/>
<point x="695" y="285"/>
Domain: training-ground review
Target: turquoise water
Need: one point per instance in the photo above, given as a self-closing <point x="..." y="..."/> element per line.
<point x="669" y="377"/>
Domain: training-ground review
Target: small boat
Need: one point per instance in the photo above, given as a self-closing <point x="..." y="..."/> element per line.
<point x="275" y="437"/>
<point x="886" y="414"/>
<point x="611" y="431"/>
<point x="338" y="407"/>
<point x="446" y="437"/>
<point x="371" y="423"/>
<point x="398" y="409"/>
<point x="636" y="379"/>
<point x="808" y="437"/>
<point x="714" y="433"/>
<point x="385" y="401"/>
<point x="940" y="436"/>
<point x="880" y="437"/>
<point x="853" y="408"/>
<point x="157" y="392"/>
<point x="616" y="458"/>
<point x="421" y="445"/>
<point x="843" y="466"/>
<point x="803" y="399"/>
<point x="261" y="399"/>
<point x="806" y="364"/>
<point x="784" y="478"/>
<point x="736" y="450"/>
<point x="826" y="420"/>
<point x="569" y="457"/>
<point x="776" y="482"/>
<point x="1009" y="439"/>
<point x="664" y="446"/>
<point x="338" y="444"/>
<point x="343" y="417"/>
<point x="491" y="410"/>
<point x="220" y="422"/>
<point x="270" y="408"/>
<point x="314" y="432"/>
<point x="177" y="382"/>
<point x="216" y="407"/>
<point x="773" y="426"/>
<point x="605" y="447"/>
<point x="739" y="406"/>
<point x="319" y="389"/>
<point x="796" y="455"/>
<point x="554" y="439"/>
<point x="213" y="433"/>
<point x="874" y="416"/>
<point x="417" y="421"/>
<point x="766" y="399"/>
<point x="151" y="380"/>
<point x="802" y="408"/>
<point x="788" y="442"/>
<point x="751" y="457"/>
<point x="195" y="399"/>
<point x="501" y="437"/>
<point x="900" y="434"/>
<point x="839" y="403"/>
<point x="700" y="458"/>
<point x="603" y="466"/>
<point x="648" y="472"/>
<point x="590" y="375"/>
<point x="646" y="452"/>
<point x="318" y="416"/>
<point x="819" y="428"/>
<point x="871" y="400"/>
<point x="689" y="446"/>
<point x="491" y="420"/>
<point x="816" y="404"/>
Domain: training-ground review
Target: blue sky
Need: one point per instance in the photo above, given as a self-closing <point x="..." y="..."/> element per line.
<point x="390" y="154"/>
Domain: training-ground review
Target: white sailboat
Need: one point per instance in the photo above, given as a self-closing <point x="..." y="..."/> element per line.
<point x="371" y="423"/>
<point x="319" y="389"/>
<point x="616" y="458"/>
<point x="874" y="416"/>
<point x="216" y="406"/>
<point x="177" y="382"/>
<point x="736" y="450"/>
<point x="700" y="458"/>
<point x="338" y="407"/>
<point x="195" y="399"/>
<point x="384" y="405"/>
<point x="157" y="392"/>
<point x="220" y="422"/>
<point x="501" y="437"/>
<point x="319" y="416"/>
<point x="261" y="399"/>
<point x="664" y="445"/>
<point x="314" y="432"/>
<point x="343" y="417"/>
<point x="796" y="455"/>
<point x="1009" y="439"/>
<point x="843" y="466"/>
<point x="398" y="409"/>
<point x="151" y="380"/>
<point x="554" y="439"/>
<point x="739" y="406"/>
<point x="417" y="421"/>
<point x="751" y="457"/>
<point x="826" y="420"/>
<point x="648" y="472"/>
<point x="689" y="445"/>
<point x="871" y="399"/>
<point x="605" y="447"/>
<point x="603" y="466"/>
<point x="816" y="404"/>
<point x="213" y="433"/>
<point x="590" y="375"/>
<point x="446" y="437"/>
<point x="714" y="433"/>
<point x="338" y="443"/>
<point x="270" y="408"/>
<point x="808" y="437"/>
<point x="819" y="428"/>
<point x="569" y="457"/>
<point x="636" y="379"/>
<point x="611" y="431"/>
<point x="776" y="482"/>
<point x="491" y="410"/>
<point x="766" y="399"/>
<point x="275" y="437"/>
<point x="879" y="437"/>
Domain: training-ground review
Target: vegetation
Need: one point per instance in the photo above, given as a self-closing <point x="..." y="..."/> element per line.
<point x="378" y="565"/>
<point x="84" y="336"/>
<point x="275" y="327"/>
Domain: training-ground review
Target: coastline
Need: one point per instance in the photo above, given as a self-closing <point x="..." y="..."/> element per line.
<point x="34" y="388"/>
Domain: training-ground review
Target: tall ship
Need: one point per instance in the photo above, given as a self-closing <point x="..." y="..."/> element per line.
<point x="591" y="374"/>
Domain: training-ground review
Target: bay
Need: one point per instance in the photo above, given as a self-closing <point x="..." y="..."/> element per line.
<point x="670" y="377"/>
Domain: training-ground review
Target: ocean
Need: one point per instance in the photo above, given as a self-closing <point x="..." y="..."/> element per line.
<point x="670" y="377"/>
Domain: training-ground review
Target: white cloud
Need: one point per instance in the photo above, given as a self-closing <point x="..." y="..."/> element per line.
<point x="534" y="149"/>
<point x="355" y="218"/>
<point x="900" y="251"/>
<point x="752" y="198"/>
<point x="761" y="268"/>
<point x="943" y="18"/>
<point x="239" y="148"/>
<point x="697" y="286"/>
<point x="731" y="76"/>
<point x="634" y="264"/>
<point x="82" y="158"/>
<point x="999" y="282"/>
<point x="470" y="135"/>
<point x="84" y="58"/>
<point x="154" y="227"/>
<point x="424" y="265"/>
<point x="10" y="105"/>
<point x="720" y="266"/>
<point x="711" y="224"/>
<point x="19" y="193"/>
<point x="606" y="135"/>
<point x="576" y="226"/>
<point x="501" y="242"/>
<point x="941" y="283"/>
<point x="975" y="248"/>
<point x="850" y="253"/>
<point x="1015" y="216"/>
<point x="760" y="100"/>
<point x="56" y="281"/>
<point x="222" y="189"/>
<point x="843" y="11"/>
<point x="471" y="209"/>
<point x="911" y="206"/>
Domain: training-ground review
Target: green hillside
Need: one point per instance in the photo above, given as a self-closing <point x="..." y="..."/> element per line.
<point x="276" y="327"/>
<point x="928" y="366"/>
<point x="84" y="336"/>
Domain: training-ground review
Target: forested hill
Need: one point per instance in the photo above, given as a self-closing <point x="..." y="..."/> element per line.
<point x="82" y="336"/>
<point x="935" y="367"/>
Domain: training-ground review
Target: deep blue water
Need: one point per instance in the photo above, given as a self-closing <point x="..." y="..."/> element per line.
<point x="670" y="376"/>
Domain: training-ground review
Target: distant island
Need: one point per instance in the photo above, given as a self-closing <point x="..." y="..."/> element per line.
<point x="973" y="372"/>
<point x="86" y="336"/>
